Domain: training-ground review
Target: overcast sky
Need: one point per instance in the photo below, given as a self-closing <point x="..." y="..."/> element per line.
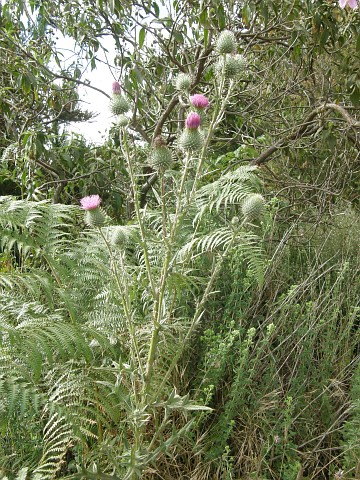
<point x="95" y="130"/>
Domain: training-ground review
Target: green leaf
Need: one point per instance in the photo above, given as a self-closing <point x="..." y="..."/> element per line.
<point x="25" y="84"/>
<point x="206" y="36"/>
<point x="221" y="16"/>
<point x="142" y="35"/>
<point x="178" y="36"/>
<point x="203" y="19"/>
<point x="156" y="9"/>
<point x="358" y="43"/>
<point x="246" y="14"/>
<point x="324" y="38"/>
<point x="355" y="97"/>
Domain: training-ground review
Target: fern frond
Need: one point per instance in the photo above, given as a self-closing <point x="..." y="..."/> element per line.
<point x="57" y="440"/>
<point x="247" y="243"/>
<point x="33" y="285"/>
<point x="34" y="226"/>
<point x="229" y="189"/>
<point x="18" y="398"/>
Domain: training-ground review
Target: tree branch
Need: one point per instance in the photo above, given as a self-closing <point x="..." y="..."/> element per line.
<point x="303" y="130"/>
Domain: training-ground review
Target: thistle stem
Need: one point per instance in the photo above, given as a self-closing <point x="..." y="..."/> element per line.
<point x="158" y="307"/>
<point x="127" y="155"/>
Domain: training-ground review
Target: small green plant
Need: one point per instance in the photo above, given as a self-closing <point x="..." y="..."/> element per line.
<point x="351" y="429"/>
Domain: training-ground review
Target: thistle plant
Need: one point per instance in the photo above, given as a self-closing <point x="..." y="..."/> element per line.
<point x="170" y="240"/>
<point x="129" y="300"/>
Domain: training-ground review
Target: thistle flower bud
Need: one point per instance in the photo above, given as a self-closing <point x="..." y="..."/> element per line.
<point x="226" y="42"/>
<point x="191" y="139"/>
<point x="253" y="207"/>
<point x="117" y="236"/>
<point x="183" y="82"/>
<point x="119" y="105"/>
<point x="94" y="216"/>
<point x="233" y="66"/>
<point x="160" y="157"/>
<point x="116" y="89"/>
<point x="122" y="121"/>
<point x="193" y="120"/>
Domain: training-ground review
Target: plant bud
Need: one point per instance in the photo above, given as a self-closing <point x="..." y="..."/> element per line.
<point x="122" y="121"/>
<point x="226" y="42"/>
<point x="119" y="105"/>
<point x="233" y="67"/>
<point x="191" y="139"/>
<point x="94" y="217"/>
<point x="160" y="157"/>
<point x="116" y="89"/>
<point x="117" y="236"/>
<point x="193" y="120"/>
<point x="253" y="207"/>
<point x="183" y="82"/>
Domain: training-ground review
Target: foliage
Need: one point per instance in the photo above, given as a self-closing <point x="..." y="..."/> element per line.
<point x="95" y="341"/>
<point x="187" y="328"/>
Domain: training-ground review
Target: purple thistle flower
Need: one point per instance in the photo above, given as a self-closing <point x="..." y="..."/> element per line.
<point x="90" y="203"/>
<point x="116" y="89"/>
<point x="351" y="3"/>
<point x="199" y="101"/>
<point x="193" y="120"/>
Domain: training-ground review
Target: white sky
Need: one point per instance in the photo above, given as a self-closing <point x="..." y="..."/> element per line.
<point x="96" y="129"/>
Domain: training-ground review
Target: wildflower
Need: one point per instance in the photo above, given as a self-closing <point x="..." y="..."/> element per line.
<point x="160" y="157"/>
<point x="191" y="139"/>
<point x="94" y="216"/>
<point x="199" y="101"/>
<point x="232" y="67"/>
<point x="193" y="120"/>
<point x="226" y="42"/>
<point x="119" y="105"/>
<point x="116" y="89"/>
<point x="123" y="121"/>
<point x="253" y="207"/>
<point x="91" y="202"/>
<point x="351" y="3"/>
<point x="183" y="82"/>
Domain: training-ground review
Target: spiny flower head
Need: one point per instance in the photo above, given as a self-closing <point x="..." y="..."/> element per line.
<point x="119" y="105"/>
<point x="160" y="157"/>
<point x="183" y="82"/>
<point x="116" y="89"/>
<point x="193" y="120"/>
<point x="253" y="206"/>
<point x="191" y="139"/>
<point x="90" y="203"/>
<point x="226" y="42"/>
<point x="122" y="121"/>
<point x="199" y="101"/>
<point x="350" y="3"/>
<point x="232" y="67"/>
